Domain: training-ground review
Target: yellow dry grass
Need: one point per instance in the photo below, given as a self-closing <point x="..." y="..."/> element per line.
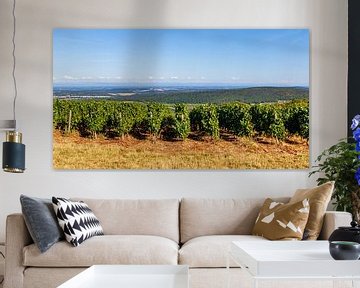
<point x="74" y="152"/>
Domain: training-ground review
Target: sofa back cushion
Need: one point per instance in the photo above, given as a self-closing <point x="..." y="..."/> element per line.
<point x="158" y="217"/>
<point x="200" y="217"/>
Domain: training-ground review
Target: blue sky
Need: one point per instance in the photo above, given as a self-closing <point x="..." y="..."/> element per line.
<point x="176" y="56"/>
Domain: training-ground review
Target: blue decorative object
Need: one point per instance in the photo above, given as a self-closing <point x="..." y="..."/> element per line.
<point x="356" y="134"/>
<point x="357" y="176"/>
<point x="357" y="147"/>
<point x="355" y="122"/>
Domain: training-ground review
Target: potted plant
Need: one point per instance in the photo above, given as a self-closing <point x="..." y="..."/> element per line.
<point x="341" y="163"/>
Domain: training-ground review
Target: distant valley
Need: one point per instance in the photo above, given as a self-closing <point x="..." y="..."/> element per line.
<point x="183" y="94"/>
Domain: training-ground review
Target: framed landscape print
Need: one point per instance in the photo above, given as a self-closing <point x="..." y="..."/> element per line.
<point x="181" y="98"/>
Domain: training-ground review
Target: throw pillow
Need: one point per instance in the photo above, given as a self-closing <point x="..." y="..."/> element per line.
<point x="279" y="221"/>
<point x="77" y="220"/>
<point x="41" y="222"/>
<point x="319" y="198"/>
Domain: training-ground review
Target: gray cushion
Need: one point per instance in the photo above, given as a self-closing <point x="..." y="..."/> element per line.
<point x="41" y="221"/>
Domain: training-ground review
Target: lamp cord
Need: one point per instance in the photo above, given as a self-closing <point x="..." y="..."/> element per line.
<point x="2" y="280"/>
<point x="14" y="61"/>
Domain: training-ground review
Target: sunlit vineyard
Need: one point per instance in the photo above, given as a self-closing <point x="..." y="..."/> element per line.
<point x="117" y="119"/>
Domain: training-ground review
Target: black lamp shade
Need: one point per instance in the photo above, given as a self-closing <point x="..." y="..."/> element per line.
<point x="13" y="157"/>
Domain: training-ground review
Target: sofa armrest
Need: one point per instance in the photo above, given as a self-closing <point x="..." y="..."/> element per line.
<point x="17" y="237"/>
<point x="333" y="220"/>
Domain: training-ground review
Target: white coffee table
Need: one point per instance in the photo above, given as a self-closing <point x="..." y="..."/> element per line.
<point x="131" y="276"/>
<point x="296" y="260"/>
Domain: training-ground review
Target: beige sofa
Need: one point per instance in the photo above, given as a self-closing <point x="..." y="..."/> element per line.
<point x="194" y="232"/>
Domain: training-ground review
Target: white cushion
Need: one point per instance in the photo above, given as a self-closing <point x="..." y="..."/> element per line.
<point x="211" y="251"/>
<point x="76" y="220"/>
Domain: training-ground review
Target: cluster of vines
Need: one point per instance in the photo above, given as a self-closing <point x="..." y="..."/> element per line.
<point x="114" y="119"/>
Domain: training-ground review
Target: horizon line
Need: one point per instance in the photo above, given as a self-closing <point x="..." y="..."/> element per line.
<point x="142" y="84"/>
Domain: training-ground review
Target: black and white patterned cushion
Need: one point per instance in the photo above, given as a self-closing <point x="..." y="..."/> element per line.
<point x="77" y="220"/>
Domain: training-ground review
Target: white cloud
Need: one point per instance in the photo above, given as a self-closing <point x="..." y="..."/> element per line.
<point x="87" y="78"/>
<point x="108" y="78"/>
<point x="67" y="77"/>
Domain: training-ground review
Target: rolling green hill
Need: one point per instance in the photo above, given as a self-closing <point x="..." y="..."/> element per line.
<point x="246" y="95"/>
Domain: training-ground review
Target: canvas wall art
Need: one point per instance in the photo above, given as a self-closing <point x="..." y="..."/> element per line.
<point x="181" y="98"/>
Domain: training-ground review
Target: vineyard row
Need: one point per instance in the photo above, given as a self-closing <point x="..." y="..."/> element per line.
<point x="114" y="118"/>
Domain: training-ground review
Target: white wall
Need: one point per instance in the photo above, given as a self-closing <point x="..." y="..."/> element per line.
<point x="326" y="19"/>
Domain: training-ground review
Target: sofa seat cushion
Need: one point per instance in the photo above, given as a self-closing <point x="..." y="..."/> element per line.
<point x="107" y="249"/>
<point x="211" y="251"/>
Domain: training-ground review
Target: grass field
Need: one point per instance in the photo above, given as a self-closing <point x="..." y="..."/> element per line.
<point x="74" y="152"/>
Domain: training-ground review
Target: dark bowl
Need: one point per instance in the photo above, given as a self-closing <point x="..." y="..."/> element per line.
<point x="344" y="250"/>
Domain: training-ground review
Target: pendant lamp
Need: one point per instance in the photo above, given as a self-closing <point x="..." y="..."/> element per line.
<point x="13" y="159"/>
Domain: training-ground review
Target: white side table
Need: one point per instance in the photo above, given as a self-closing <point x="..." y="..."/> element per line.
<point x="287" y="261"/>
<point x="131" y="276"/>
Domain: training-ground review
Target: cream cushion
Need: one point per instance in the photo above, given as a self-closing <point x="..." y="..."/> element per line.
<point x="319" y="198"/>
<point x="201" y="217"/>
<point x="107" y="249"/>
<point x="158" y="217"/>
<point x="211" y="251"/>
